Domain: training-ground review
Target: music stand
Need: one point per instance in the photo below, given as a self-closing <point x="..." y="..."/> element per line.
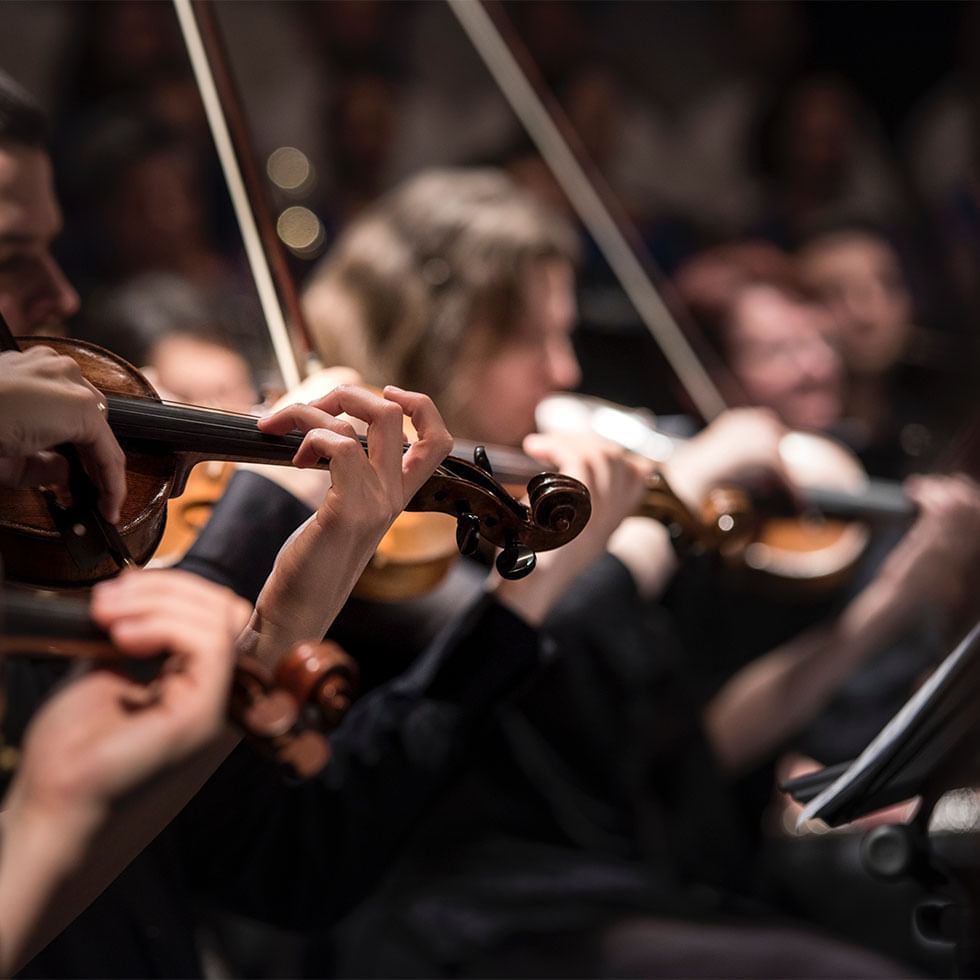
<point x="931" y="746"/>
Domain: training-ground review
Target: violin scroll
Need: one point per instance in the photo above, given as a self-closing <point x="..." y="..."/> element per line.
<point x="559" y="507"/>
<point x="322" y="677"/>
<point x="290" y="711"/>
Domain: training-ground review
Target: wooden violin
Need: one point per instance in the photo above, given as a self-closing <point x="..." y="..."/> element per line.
<point x="287" y="712"/>
<point x="163" y="441"/>
<point x="418" y="549"/>
<point x="806" y="546"/>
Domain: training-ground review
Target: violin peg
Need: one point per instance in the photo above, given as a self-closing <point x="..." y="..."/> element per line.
<point x="516" y="561"/>
<point x="320" y="675"/>
<point x="270" y="715"/>
<point x="467" y="533"/>
<point x="303" y="755"/>
<point x="482" y="460"/>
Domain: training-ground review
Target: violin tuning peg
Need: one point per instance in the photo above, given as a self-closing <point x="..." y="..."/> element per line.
<point x="303" y="755"/>
<point x="467" y="533"/>
<point x="482" y="460"/>
<point x="516" y="561"/>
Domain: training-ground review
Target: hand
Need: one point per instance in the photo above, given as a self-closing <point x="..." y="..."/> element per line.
<point x="44" y="401"/>
<point x="934" y="566"/>
<point x="308" y="485"/>
<point x="317" y="568"/>
<point x="367" y="489"/>
<point x="103" y="735"/>
<point x="740" y="444"/>
<point x="616" y="481"/>
<point x="108" y="762"/>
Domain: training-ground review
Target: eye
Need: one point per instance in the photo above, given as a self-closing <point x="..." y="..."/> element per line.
<point x="16" y="264"/>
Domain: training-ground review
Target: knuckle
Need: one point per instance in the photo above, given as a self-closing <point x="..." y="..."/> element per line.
<point x="41" y="352"/>
<point x="346" y="448"/>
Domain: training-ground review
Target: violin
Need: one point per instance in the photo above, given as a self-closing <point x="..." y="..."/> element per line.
<point x="769" y="542"/>
<point x="418" y="549"/>
<point x="287" y="713"/>
<point x="45" y="545"/>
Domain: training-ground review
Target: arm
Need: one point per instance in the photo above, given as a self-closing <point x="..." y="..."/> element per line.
<point x="315" y="572"/>
<point x="739" y="443"/>
<point x="107" y="761"/>
<point x="313" y="850"/>
<point x="301" y="855"/>
<point x="775" y="696"/>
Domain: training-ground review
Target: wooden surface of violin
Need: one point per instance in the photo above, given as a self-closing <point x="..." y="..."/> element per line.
<point x="32" y="546"/>
<point x="189" y="513"/>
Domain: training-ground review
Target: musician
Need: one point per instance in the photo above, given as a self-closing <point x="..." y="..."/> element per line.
<point x="777" y="338"/>
<point x="89" y="789"/>
<point x="462" y="284"/>
<point x="294" y="854"/>
<point x="900" y="400"/>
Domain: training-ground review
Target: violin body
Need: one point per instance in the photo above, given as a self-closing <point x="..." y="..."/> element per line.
<point x="809" y="552"/>
<point x="188" y="513"/>
<point x="33" y="549"/>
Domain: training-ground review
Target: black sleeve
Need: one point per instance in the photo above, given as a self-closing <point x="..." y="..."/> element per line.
<point x="300" y="855"/>
<point x="248" y="526"/>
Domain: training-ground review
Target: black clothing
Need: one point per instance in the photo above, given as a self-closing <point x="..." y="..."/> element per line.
<point x="292" y="854"/>
<point x="592" y="798"/>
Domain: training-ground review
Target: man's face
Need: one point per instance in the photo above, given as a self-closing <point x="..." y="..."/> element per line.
<point x="35" y="297"/>
<point x="860" y="280"/>
<point x="780" y="356"/>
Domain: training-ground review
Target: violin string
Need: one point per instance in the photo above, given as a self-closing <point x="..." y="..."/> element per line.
<point x="232" y="432"/>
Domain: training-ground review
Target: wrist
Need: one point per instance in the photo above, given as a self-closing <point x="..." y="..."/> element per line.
<point x="311" y="580"/>
<point x="876" y="616"/>
<point x="47" y="837"/>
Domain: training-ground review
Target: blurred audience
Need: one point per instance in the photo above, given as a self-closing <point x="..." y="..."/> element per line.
<point x="819" y="158"/>
<point x="896" y="413"/>
<point x="771" y="336"/>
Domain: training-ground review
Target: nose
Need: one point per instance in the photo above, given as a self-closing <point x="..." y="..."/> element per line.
<point x="54" y="297"/>
<point x="564" y="373"/>
<point x="818" y="361"/>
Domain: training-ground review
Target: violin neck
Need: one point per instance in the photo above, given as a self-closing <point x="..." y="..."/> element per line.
<point x="882" y="501"/>
<point x="510" y="466"/>
<point x="42" y="628"/>
<point x="198" y="433"/>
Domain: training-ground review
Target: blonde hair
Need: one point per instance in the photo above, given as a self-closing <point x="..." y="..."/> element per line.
<point x="431" y="279"/>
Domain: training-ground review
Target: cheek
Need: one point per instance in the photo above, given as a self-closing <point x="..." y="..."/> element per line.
<point x="501" y="397"/>
<point x="763" y="382"/>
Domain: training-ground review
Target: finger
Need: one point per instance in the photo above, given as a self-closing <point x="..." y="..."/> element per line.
<point x="541" y="448"/>
<point x="385" y="437"/>
<point x="187" y="595"/>
<point x="196" y="678"/>
<point x="307" y="418"/>
<point x="434" y="442"/>
<point x="349" y="465"/>
<point x="297" y="418"/>
<point x="313" y="449"/>
<point x="42" y="469"/>
<point x="103" y="458"/>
